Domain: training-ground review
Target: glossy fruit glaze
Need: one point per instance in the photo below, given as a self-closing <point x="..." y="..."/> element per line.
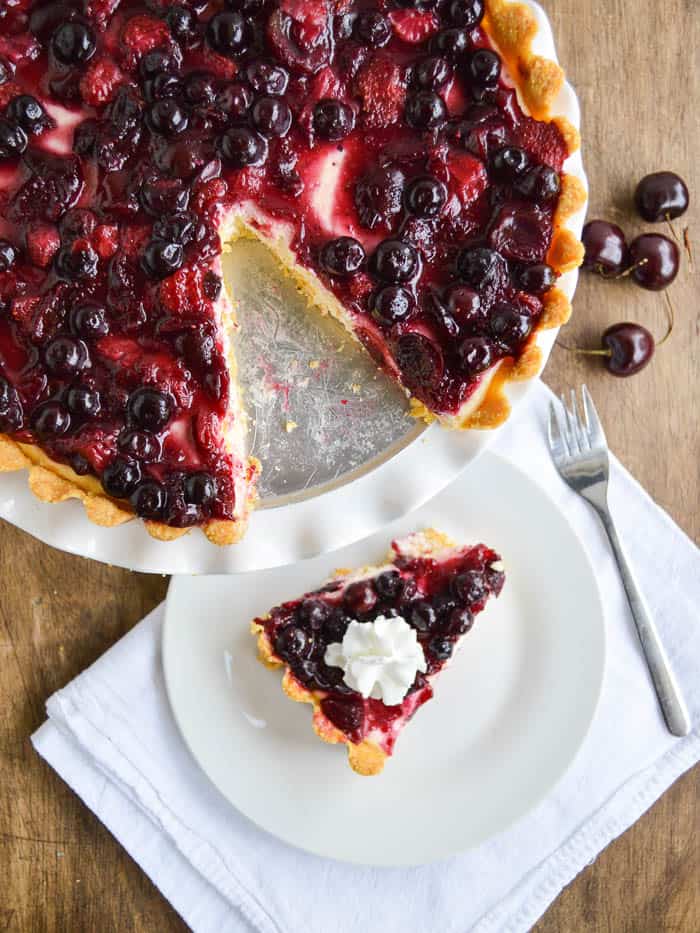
<point x="439" y="598"/>
<point x="383" y="138"/>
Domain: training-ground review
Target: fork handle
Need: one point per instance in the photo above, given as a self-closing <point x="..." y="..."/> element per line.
<point x="667" y="691"/>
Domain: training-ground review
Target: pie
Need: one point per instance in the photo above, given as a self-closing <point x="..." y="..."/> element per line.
<point x="424" y="596"/>
<point x="382" y="151"/>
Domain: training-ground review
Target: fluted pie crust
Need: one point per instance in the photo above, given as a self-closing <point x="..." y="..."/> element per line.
<point x="512" y="27"/>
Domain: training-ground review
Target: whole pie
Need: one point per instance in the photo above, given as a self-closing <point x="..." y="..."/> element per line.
<point x="365" y="649"/>
<point x="397" y="157"/>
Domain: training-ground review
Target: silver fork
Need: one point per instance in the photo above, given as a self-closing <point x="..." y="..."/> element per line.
<point x="580" y="453"/>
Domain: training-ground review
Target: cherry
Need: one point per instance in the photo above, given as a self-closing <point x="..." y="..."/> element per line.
<point x="200" y="488"/>
<point x="121" y="477"/>
<point x="73" y="43"/>
<point x="464" y="304"/>
<point x="452" y="43"/>
<point x="482" y="268"/>
<point x="392" y="304"/>
<point x="150" y="408"/>
<point x="346" y="714"/>
<point x="541" y="184"/>
<point x="467" y="13"/>
<point x="536" y="279"/>
<point x="378" y="195"/>
<point x="432" y="73"/>
<point x="484" y="69"/>
<point x="631" y="347"/>
<point x="475" y="355"/>
<point x="13" y="140"/>
<point x="332" y="119"/>
<point x="271" y="116"/>
<point x="509" y="163"/>
<point x="342" y="257"/>
<point x="420" y="361"/>
<point x="425" y="110"/>
<point x="509" y="325"/>
<point x="661" y="196"/>
<point x="655" y="260"/>
<point x="425" y="197"/>
<point x="394" y="261"/>
<point x="606" y="250"/>
<point x="241" y="147"/>
<point x="26" y="111"/>
<point x="150" y="500"/>
<point x="373" y="29"/>
<point x="228" y="34"/>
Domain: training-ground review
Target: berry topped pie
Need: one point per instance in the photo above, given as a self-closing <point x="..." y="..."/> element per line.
<point x="366" y="648"/>
<point x="398" y="157"/>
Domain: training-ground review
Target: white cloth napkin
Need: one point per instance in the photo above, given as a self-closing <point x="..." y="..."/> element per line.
<point x="111" y="736"/>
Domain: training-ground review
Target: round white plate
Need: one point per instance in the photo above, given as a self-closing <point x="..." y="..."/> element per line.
<point x="506" y="721"/>
<point x="380" y="466"/>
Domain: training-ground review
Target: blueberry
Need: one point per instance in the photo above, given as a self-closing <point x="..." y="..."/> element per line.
<point x="28" y="113"/>
<point x="425" y="197"/>
<point x="425" y="110"/>
<point x="394" y="261"/>
<point x="373" y="29"/>
<point x="13" y="140"/>
<point x="76" y="264"/>
<point x="509" y="325"/>
<point x="241" y="146"/>
<point x="200" y="88"/>
<point x="335" y="626"/>
<point x="292" y="642"/>
<point x="8" y="255"/>
<point x="228" y="34"/>
<point x="422" y="615"/>
<point x="468" y="13"/>
<point x="182" y="23"/>
<point x="484" y="69"/>
<point x="73" y="43"/>
<point x="51" y="420"/>
<point x="161" y="86"/>
<point x="121" y="477"/>
<point x="469" y="587"/>
<point x="346" y="714"/>
<point x="267" y="77"/>
<point x="200" y="488"/>
<point x="482" y="268"/>
<point x="475" y="355"/>
<point x="181" y="227"/>
<point x="161" y="259"/>
<point x="160" y="196"/>
<point x="440" y="648"/>
<point x="541" y="184"/>
<point x="392" y="304"/>
<point x="432" y="73"/>
<point x="332" y="119"/>
<point x="154" y="62"/>
<point x="234" y="100"/>
<point x="167" y="118"/>
<point x="65" y="356"/>
<point x="141" y="445"/>
<point x="388" y="584"/>
<point x="452" y="43"/>
<point x="460" y="621"/>
<point x="509" y="163"/>
<point x="89" y="321"/>
<point x="150" y="500"/>
<point x="314" y="612"/>
<point x="271" y="116"/>
<point x="83" y="401"/>
<point x="360" y="597"/>
<point x="342" y="257"/>
<point x="149" y="408"/>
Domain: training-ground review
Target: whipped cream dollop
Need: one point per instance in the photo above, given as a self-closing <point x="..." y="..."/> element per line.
<point x="379" y="659"/>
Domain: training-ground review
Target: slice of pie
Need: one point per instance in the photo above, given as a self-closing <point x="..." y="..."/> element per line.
<point x="399" y="160"/>
<point x="366" y="649"/>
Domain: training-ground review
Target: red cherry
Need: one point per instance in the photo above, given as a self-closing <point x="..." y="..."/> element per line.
<point x="631" y="347"/>
<point x="655" y="260"/>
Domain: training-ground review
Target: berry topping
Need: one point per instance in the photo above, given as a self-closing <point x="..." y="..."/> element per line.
<point x="83" y="402"/>
<point x="467" y="13"/>
<point x="536" y="279"/>
<point x="89" y="321"/>
<point x="227" y="34"/>
<point x="484" y="69"/>
<point x="65" y="356"/>
<point x="332" y="119"/>
<point x="13" y="140"/>
<point x="432" y="73"/>
<point x="425" y="110"/>
<point x="425" y="197"/>
<point x="509" y="163"/>
<point x="394" y="261"/>
<point x="51" y="420"/>
<point x="359" y="597"/>
<point x="484" y="269"/>
<point x="392" y="304"/>
<point x="266" y="77"/>
<point x="166" y="117"/>
<point x="373" y="29"/>
<point x="121" y="477"/>
<point x="149" y="408"/>
<point x="475" y="355"/>
<point x="149" y="500"/>
<point x="661" y="196"/>
<point x="160" y="259"/>
<point x="420" y="361"/>
<point x="342" y="257"/>
<point x="200" y="489"/>
<point x="8" y="255"/>
<point x="26" y="111"/>
<point x="271" y="116"/>
<point x="241" y="147"/>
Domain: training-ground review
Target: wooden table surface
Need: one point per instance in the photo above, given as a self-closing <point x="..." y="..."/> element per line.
<point x="635" y="65"/>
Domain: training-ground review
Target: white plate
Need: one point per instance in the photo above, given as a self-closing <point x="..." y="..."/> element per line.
<point x="387" y="484"/>
<point x="507" y="719"/>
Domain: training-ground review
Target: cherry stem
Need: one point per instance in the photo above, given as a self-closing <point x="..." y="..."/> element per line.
<point x="670" y="226"/>
<point x="624" y="273"/>
<point x="671" y="316"/>
<point x="688" y="248"/>
<point x="583" y="351"/>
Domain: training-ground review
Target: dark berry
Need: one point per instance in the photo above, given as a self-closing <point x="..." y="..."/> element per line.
<point x="8" y="255"/>
<point x="271" y="116"/>
<point x="180" y="227"/>
<point x="28" y="113"/>
<point x="655" y="259"/>
<point x="394" y="261"/>
<point x="464" y="304"/>
<point x="76" y="264"/>
<point x="161" y="259"/>
<point x="235" y="99"/>
<point x="469" y="587"/>
<point x="200" y="488"/>
<point x="432" y="73"/>
<point x="422" y="615"/>
<point x="468" y="13"/>
<point x="65" y="356"/>
<point x="452" y="43"/>
<point x="435" y="306"/>
<point x="378" y="195"/>
<point x="541" y="184"/>
<point x="89" y="321"/>
<point x="266" y="77"/>
<point x="73" y="43"/>
<point x="335" y="626"/>
<point x="536" y="279"/>
<point x="159" y="196"/>
<point x="51" y="420"/>
<point x="425" y="197"/>
<point x="484" y="68"/>
<point x="241" y="147"/>
<point x="475" y="355"/>
<point x="167" y="118"/>
<point x="346" y="714"/>
<point x="200" y="88"/>
<point x="373" y="29"/>
<point x="460" y="620"/>
<point x="6" y="70"/>
<point x="440" y="648"/>
<point x="154" y="62"/>
<point x="661" y="196"/>
<point x="13" y="140"/>
<point x="162" y="86"/>
<point x="388" y="584"/>
<point x="392" y="304"/>
<point x="508" y="325"/>
<point x="606" y="250"/>
<point x="360" y="597"/>
<point x="149" y="408"/>
<point x="482" y="268"/>
<point x="227" y="34"/>
<point x="332" y="119"/>
<point x="182" y="23"/>
<point x="78" y="222"/>
<point x="292" y="642"/>
<point x="425" y="110"/>
<point x="509" y="163"/>
<point x="420" y="361"/>
<point x="314" y="612"/>
<point x="342" y="257"/>
<point x="631" y="347"/>
<point x="79" y="464"/>
<point x="121" y="477"/>
<point x="150" y="500"/>
<point x="83" y="401"/>
<point x="142" y="445"/>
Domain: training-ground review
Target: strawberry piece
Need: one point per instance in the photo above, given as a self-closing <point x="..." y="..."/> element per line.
<point x="140" y="35"/>
<point x="183" y="291"/>
<point x="97" y="445"/>
<point x="101" y="12"/>
<point x="207" y="431"/>
<point x="210" y="195"/>
<point x="206" y="59"/>
<point x="120" y="350"/>
<point x="382" y="89"/>
<point x="23" y="310"/>
<point x="248" y="182"/>
<point x="544" y="142"/>
<point x="299" y="31"/>
<point x="100" y="82"/>
<point x="468" y="178"/>
<point x="43" y="242"/>
<point x="413" y="26"/>
<point x="105" y="240"/>
<point x="134" y="238"/>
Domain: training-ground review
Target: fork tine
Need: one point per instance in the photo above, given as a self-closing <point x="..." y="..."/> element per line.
<point x="596" y="434"/>
<point x="571" y="438"/>
<point x="581" y="429"/>
<point x="557" y="444"/>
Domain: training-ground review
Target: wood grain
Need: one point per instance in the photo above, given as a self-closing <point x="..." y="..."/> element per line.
<point x="636" y="67"/>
